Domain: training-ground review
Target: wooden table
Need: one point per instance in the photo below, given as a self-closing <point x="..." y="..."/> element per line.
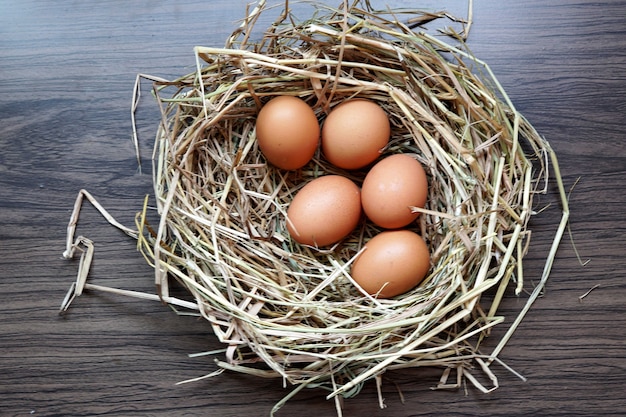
<point x="66" y="77"/>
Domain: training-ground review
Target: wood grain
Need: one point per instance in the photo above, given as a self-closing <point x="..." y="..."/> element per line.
<point x="66" y="75"/>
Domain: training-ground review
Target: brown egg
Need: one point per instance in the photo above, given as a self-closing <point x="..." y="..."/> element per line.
<point x="324" y="211"/>
<point x="288" y="132"/>
<point x="392" y="263"/>
<point x="391" y="188"/>
<point x="354" y="133"/>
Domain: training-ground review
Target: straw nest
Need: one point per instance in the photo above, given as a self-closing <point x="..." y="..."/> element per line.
<point x="292" y="311"/>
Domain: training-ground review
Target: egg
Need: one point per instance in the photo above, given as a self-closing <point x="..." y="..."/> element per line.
<point x="324" y="211"/>
<point x="354" y="133"/>
<point x="391" y="187"/>
<point x="287" y="132"/>
<point x="392" y="263"/>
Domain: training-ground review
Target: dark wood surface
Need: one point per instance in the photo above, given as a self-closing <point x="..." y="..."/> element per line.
<point x="66" y="75"/>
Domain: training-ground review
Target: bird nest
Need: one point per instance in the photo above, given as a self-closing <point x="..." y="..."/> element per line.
<point x="293" y="311"/>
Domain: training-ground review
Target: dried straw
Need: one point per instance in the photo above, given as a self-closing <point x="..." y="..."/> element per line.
<point x="293" y="309"/>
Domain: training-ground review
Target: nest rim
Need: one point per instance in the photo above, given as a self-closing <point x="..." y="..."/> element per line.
<point x="433" y="313"/>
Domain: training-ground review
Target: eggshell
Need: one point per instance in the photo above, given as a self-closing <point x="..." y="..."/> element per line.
<point x="287" y="132"/>
<point x="324" y="211"/>
<point x="392" y="263"/>
<point x="354" y="133"/>
<point x="391" y="188"/>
